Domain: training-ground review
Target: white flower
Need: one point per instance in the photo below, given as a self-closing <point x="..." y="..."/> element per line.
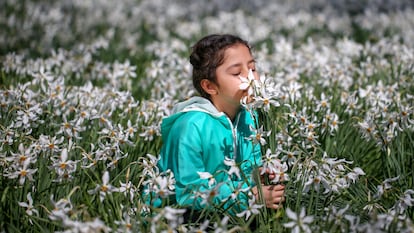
<point x="131" y="129"/>
<point x="149" y="164"/>
<point x="367" y="128"/>
<point x="271" y="163"/>
<point x="265" y="102"/>
<point x="172" y="215"/>
<point x="209" y="195"/>
<point x="299" y="222"/>
<point x="125" y="224"/>
<point x="30" y="210"/>
<point x="200" y="228"/>
<point x="252" y="209"/>
<point x="127" y="188"/>
<point x="63" y="167"/>
<point x="386" y="185"/>
<point x="221" y="227"/>
<point x="293" y="91"/>
<point x="61" y="209"/>
<point x="290" y="156"/>
<point x="50" y="143"/>
<point x="404" y="113"/>
<point x="234" y="169"/>
<point x="316" y="181"/>
<point x="247" y="83"/>
<point x="323" y="103"/>
<point x="237" y="191"/>
<point x="23" y="154"/>
<point x="405" y="201"/>
<point x="115" y="159"/>
<point x="124" y="69"/>
<point x="164" y="185"/>
<point x="207" y="176"/>
<point x="42" y="75"/>
<point x="336" y="215"/>
<point x="95" y="226"/>
<point x="72" y="128"/>
<point x="258" y="135"/>
<point x="356" y="172"/>
<point x="104" y="188"/>
<point x="23" y="172"/>
<point x="150" y="132"/>
<point x="280" y="174"/>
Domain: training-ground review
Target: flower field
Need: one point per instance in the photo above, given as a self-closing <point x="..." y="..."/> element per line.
<point x="85" y="84"/>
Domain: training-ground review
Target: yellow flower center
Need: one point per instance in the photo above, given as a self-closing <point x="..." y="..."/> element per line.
<point x="62" y="165"/>
<point x="22" y="158"/>
<point x="23" y="173"/>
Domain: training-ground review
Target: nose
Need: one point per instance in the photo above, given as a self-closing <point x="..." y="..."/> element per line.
<point x="245" y="72"/>
<point x="249" y="72"/>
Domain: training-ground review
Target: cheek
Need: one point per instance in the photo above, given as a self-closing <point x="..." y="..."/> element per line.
<point x="233" y="89"/>
<point x="232" y="83"/>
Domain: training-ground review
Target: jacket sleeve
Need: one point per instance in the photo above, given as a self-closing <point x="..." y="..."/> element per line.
<point x="250" y="154"/>
<point x="183" y="154"/>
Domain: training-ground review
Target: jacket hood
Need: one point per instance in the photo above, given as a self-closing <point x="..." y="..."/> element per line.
<point x="197" y="104"/>
<point x="193" y="104"/>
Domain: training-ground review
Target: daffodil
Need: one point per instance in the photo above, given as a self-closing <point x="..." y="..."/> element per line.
<point x="22" y="172"/>
<point x="30" y="210"/>
<point x="63" y="167"/>
<point x="252" y="209"/>
<point x="105" y="188"/>
<point x="173" y="216"/>
<point x="271" y="162"/>
<point x="248" y="83"/>
<point x="150" y="132"/>
<point x="234" y="169"/>
<point x="258" y="135"/>
<point x="164" y="186"/>
<point x="207" y="176"/>
<point x="300" y="222"/>
<point x="22" y="155"/>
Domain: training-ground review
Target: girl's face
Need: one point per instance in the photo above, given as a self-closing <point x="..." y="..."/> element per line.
<point x="237" y="62"/>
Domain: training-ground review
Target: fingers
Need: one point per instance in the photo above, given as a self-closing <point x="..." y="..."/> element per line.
<point x="274" y="195"/>
<point x="275" y="206"/>
<point x="278" y="200"/>
<point x="274" y="191"/>
<point x="277" y="196"/>
<point x="278" y="187"/>
<point x="266" y="171"/>
<point x="278" y="203"/>
<point x="272" y="176"/>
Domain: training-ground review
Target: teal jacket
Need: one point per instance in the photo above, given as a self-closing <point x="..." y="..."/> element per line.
<point x="197" y="138"/>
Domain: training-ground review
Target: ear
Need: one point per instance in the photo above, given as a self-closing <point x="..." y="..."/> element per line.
<point x="209" y="87"/>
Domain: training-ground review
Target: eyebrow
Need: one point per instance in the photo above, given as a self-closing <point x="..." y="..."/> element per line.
<point x="239" y="64"/>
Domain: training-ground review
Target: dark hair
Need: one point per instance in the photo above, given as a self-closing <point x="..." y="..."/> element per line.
<point x="208" y="54"/>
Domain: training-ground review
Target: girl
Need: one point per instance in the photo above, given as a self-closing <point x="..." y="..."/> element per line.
<point x="205" y="140"/>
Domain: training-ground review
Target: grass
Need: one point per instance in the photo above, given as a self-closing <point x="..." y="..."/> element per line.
<point x="93" y="122"/>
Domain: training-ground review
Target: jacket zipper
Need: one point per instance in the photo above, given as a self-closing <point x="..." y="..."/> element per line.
<point x="233" y="129"/>
<point x="234" y="133"/>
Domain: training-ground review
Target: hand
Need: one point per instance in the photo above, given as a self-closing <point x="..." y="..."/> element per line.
<point x="273" y="195"/>
<point x="270" y="175"/>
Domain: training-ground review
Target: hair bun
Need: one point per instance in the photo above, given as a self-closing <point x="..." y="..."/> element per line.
<point x="195" y="59"/>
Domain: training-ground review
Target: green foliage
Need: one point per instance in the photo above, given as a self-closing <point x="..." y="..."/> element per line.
<point x="110" y="123"/>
